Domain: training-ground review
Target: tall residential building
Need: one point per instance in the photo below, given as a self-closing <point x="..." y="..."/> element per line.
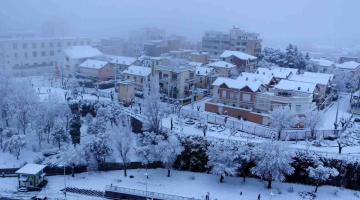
<point x="216" y="42"/>
<point x="138" y="38"/>
<point x="34" y="55"/>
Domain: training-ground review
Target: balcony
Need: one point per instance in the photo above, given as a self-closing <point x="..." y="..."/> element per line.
<point x="233" y="103"/>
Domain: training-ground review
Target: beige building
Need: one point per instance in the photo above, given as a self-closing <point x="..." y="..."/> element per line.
<point x="200" y="57"/>
<point x="101" y="70"/>
<point x="126" y="90"/>
<point x="205" y="76"/>
<point x="222" y="68"/>
<point x="137" y="73"/>
<point x="181" y="77"/>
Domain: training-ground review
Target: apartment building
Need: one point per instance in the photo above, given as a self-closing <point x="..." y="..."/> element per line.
<point x="206" y="76"/>
<point x="249" y="100"/>
<point x="243" y="61"/>
<point x="137" y="73"/>
<point x="200" y="57"/>
<point x="112" y="46"/>
<point x="181" y="53"/>
<point x="180" y="76"/>
<point x="19" y="34"/>
<point x="343" y="59"/>
<point x="138" y="38"/>
<point x="30" y="56"/>
<point x="69" y="59"/>
<point x="216" y="42"/>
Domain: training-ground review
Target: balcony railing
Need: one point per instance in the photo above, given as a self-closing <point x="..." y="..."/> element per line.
<point x="234" y="103"/>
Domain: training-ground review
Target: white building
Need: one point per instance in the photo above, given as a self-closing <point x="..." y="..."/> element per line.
<point x="34" y="55"/>
<point x="222" y="68"/>
<point x="69" y="59"/>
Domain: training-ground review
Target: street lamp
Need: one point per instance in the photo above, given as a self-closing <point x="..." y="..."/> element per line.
<point x="146" y="175"/>
<point x="64" y="181"/>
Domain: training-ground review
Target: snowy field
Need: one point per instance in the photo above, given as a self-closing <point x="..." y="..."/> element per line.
<point x="181" y="184"/>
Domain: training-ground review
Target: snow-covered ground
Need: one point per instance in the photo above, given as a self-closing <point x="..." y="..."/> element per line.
<point x="181" y="184"/>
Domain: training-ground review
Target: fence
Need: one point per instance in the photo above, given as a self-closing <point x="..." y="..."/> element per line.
<point x="88" y="192"/>
<point x="257" y="129"/>
<point x="149" y="194"/>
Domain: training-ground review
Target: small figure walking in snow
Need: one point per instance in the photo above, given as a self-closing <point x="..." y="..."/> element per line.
<point x="240" y="193"/>
<point x="207" y="197"/>
<point x="259" y="197"/>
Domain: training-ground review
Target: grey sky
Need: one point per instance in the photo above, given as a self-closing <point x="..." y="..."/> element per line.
<point x="298" y="21"/>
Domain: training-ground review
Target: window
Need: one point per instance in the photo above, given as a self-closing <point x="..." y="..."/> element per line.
<point x="246" y="97"/>
<point x="42" y="45"/>
<point x="192" y="75"/>
<point x="166" y="75"/>
<point x="34" y="54"/>
<point x="298" y="108"/>
<point x="174" y="76"/>
<point x="135" y="78"/>
<point x="128" y="77"/>
<point x="34" y="45"/>
<point x="59" y="44"/>
<point x="24" y="46"/>
<point x="15" y="55"/>
<point x="69" y="44"/>
<point x="51" y="53"/>
<point x="233" y="95"/>
<point x="142" y="80"/>
<point x="43" y="53"/>
<point x="15" y="46"/>
<point x="51" y="44"/>
<point x="223" y="95"/>
<point x="243" y="43"/>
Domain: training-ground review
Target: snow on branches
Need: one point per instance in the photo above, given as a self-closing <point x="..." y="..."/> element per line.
<point x="272" y="160"/>
<point x="321" y="174"/>
<point x="281" y="118"/>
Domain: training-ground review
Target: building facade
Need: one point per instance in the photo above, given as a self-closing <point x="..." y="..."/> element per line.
<point x="216" y="42"/>
<point x="31" y="56"/>
<point x="138" y="38"/>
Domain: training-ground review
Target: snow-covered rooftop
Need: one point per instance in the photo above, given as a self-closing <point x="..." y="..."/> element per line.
<point x="30" y="169"/>
<point x="241" y="55"/>
<point x="319" y="75"/>
<point x="277" y="72"/>
<point x="323" y="62"/>
<point x="197" y="64"/>
<point x="82" y="52"/>
<point x="296" y="86"/>
<point x="307" y="79"/>
<point x="221" y="64"/>
<point x="237" y="84"/>
<point x="264" y="79"/>
<point x="138" y="70"/>
<point x="120" y="59"/>
<point x="348" y="65"/>
<point x="203" y="71"/>
<point x="93" y="64"/>
<point x="200" y="53"/>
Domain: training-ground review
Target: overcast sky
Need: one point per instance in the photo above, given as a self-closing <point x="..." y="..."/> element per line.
<point x="297" y="21"/>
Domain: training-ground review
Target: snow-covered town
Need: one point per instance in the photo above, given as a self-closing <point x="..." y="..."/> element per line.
<point x="190" y="100"/>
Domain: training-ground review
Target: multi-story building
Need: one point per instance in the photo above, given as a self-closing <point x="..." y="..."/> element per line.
<point x="19" y="34"/>
<point x="158" y="48"/>
<point x="138" y="38"/>
<point x="180" y="76"/>
<point x="250" y="100"/>
<point x="200" y="57"/>
<point x="182" y="54"/>
<point x="112" y="46"/>
<point x="216" y="42"/>
<point x="68" y="60"/>
<point x="243" y="61"/>
<point x="137" y="73"/>
<point x="343" y="59"/>
<point x="34" y="55"/>
<point x="222" y="68"/>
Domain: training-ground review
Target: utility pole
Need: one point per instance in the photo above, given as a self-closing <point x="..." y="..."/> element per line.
<point x="192" y="100"/>
<point x="115" y="76"/>
<point x="337" y="111"/>
<point x="62" y="76"/>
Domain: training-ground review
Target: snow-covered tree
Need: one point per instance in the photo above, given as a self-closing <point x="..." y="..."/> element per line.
<point x="321" y="174"/>
<point x="282" y="117"/>
<point x="123" y="139"/>
<point x="272" y="160"/>
<point x="168" y="151"/>
<point x="40" y="126"/>
<point x="100" y="147"/>
<point x="234" y="73"/>
<point x="344" y="80"/>
<point x="74" y="128"/>
<point x="98" y="125"/>
<point x="145" y="147"/>
<point x="59" y="134"/>
<point x="265" y="64"/>
<point x="223" y="158"/>
<point x="16" y="143"/>
<point x="312" y="120"/>
<point x="153" y="110"/>
<point x="346" y="140"/>
<point x="24" y="102"/>
<point x="72" y="84"/>
<point x="73" y="156"/>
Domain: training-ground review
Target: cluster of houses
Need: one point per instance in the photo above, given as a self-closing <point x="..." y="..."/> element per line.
<point x="250" y="96"/>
